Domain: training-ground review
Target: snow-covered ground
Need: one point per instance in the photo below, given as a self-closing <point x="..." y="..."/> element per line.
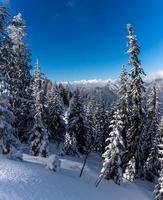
<point x="30" y="180"/>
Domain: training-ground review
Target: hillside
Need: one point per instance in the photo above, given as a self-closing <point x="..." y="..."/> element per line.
<point x="32" y="181"/>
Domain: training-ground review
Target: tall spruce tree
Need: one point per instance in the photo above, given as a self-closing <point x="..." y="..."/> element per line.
<point x="56" y="124"/>
<point x="22" y="103"/>
<point x="159" y="187"/>
<point x="7" y="118"/>
<point x="39" y="137"/>
<point x="152" y="136"/>
<point x="137" y="90"/>
<point x="114" y="151"/>
<point x="75" y="138"/>
<point x="101" y="123"/>
<point x="124" y="102"/>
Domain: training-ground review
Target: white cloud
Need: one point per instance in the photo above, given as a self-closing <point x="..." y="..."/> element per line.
<point x="155" y="75"/>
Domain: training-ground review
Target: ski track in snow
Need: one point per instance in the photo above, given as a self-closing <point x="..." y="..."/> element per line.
<point x="31" y="181"/>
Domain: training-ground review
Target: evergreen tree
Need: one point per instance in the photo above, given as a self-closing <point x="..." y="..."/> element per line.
<point x="7" y="118"/>
<point x="64" y="92"/>
<point x="39" y="87"/>
<point x="56" y="123"/>
<point x="114" y="151"/>
<point x="22" y="103"/>
<point x="91" y="127"/>
<point x="124" y="102"/>
<point x="7" y="137"/>
<point x="101" y="123"/>
<point x="76" y="129"/>
<point x="158" y="192"/>
<point x="39" y="136"/>
<point x="152" y="137"/>
<point x="159" y="187"/>
<point x="130" y="170"/>
<point x="137" y="110"/>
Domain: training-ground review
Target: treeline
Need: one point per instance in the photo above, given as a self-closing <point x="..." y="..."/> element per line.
<point x="35" y="112"/>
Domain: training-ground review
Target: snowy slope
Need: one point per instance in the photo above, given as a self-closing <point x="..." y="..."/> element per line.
<point x="31" y="181"/>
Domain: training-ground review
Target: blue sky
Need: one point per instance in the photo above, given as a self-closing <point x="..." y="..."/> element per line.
<point x="86" y="39"/>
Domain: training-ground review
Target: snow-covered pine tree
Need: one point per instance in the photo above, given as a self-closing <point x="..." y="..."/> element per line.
<point x="8" y="140"/>
<point x="22" y="95"/>
<point x="124" y="101"/>
<point x="152" y="137"/>
<point x="158" y="192"/>
<point x="137" y="90"/>
<point x="39" y="137"/>
<point x="56" y="125"/>
<point x="64" y="92"/>
<point x="101" y="123"/>
<point x="130" y="170"/>
<point x="114" y="151"/>
<point x="90" y="124"/>
<point x="39" y="87"/>
<point x="75" y="137"/>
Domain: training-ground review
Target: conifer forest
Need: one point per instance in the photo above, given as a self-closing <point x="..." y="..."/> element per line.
<point x="77" y="140"/>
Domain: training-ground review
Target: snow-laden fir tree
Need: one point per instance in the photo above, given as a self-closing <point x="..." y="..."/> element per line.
<point x="56" y="124"/>
<point x="7" y="137"/>
<point x="91" y="126"/>
<point x="114" y="151"/>
<point x="39" y="137"/>
<point x="39" y="87"/>
<point x="137" y="89"/>
<point x="65" y="93"/>
<point x="158" y="192"/>
<point x="130" y="170"/>
<point x="70" y="144"/>
<point x="75" y="137"/>
<point x="124" y="101"/>
<point x="152" y="137"/>
<point x="101" y="122"/>
<point x="8" y="141"/>
<point x="22" y="103"/>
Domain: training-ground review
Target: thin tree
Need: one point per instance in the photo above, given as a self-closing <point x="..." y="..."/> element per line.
<point x="137" y="90"/>
<point x="114" y="151"/>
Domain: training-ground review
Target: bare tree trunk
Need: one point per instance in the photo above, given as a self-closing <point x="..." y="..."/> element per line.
<point x="85" y="160"/>
<point x="99" y="181"/>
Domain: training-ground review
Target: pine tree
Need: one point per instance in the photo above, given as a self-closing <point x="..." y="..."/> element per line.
<point x="39" y="137"/>
<point x="137" y="90"/>
<point x="130" y="170"/>
<point x="7" y="137"/>
<point x="91" y="126"/>
<point x="22" y="103"/>
<point x="152" y="137"/>
<point x="114" y="151"/>
<point x="56" y="124"/>
<point x="159" y="187"/>
<point x="64" y="92"/>
<point x="123" y="90"/>
<point x="124" y="102"/>
<point x="39" y="87"/>
<point x="158" y="192"/>
<point x="7" y="118"/>
<point x="101" y="123"/>
<point x="76" y="129"/>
